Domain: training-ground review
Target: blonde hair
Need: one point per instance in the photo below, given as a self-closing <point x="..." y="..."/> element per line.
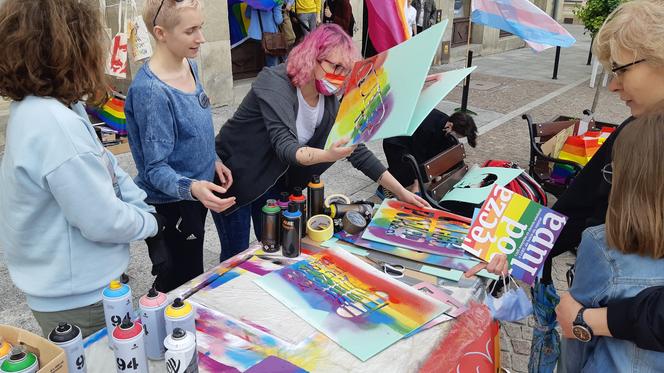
<point x="169" y="15"/>
<point x="635" y="27"/>
<point x="635" y="216"/>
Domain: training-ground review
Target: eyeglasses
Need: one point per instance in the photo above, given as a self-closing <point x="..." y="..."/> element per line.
<point x="617" y="71"/>
<point x="338" y="69"/>
<point x="154" y="21"/>
<point x="607" y="172"/>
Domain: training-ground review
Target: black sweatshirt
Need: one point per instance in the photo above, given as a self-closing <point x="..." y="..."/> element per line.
<point x="639" y="319"/>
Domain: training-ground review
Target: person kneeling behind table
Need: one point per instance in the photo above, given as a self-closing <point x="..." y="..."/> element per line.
<point x="67" y="210"/>
<point x="437" y="133"/>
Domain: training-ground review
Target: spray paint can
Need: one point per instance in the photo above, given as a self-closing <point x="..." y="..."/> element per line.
<point x="153" y="305"/>
<point x="20" y="361"/>
<point x="69" y="338"/>
<point x="338" y="210"/>
<point x="117" y="304"/>
<point x="291" y="231"/>
<point x="270" y="226"/>
<point x="301" y="203"/>
<point x="181" y="354"/>
<point x="180" y="314"/>
<point x="129" y="347"/>
<point x="283" y="206"/>
<point x="5" y="349"/>
<point x="315" y="196"/>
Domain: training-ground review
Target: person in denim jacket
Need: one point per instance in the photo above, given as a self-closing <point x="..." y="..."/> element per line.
<point x="171" y="136"/>
<point x="619" y="259"/>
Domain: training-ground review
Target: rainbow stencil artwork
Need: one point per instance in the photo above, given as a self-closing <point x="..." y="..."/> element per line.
<point x="383" y="99"/>
<point x="354" y="304"/>
<point x="512" y="224"/>
<point x="428" y="230"/>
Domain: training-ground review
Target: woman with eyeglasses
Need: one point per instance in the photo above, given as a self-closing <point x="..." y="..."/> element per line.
<point x="171" y="136"/>
<point x="631" y="45"/>
<point x="625" y="255"/>
<point x="274" y="141"/>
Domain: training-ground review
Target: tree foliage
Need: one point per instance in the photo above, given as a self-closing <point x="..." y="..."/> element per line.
<point x="594" y="12"/>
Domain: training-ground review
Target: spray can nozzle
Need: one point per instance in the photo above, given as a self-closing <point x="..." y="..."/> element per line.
<point x="177" y="303"/>
<point x="292" y="207"/>
<point x="315" y="179"/>
<point x="283" y="197"/>
<point x="153" y="293"/>
<point x="297" y="192"/>
<point x="63" y="327"/>
<point x="126" y="322"/>
<point x="179" y="333"/>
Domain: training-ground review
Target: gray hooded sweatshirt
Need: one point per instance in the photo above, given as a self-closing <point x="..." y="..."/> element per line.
<point x="260" y="141"/>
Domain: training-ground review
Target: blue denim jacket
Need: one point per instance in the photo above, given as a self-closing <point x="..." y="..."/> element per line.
<point x="604" y="274"/>
<point x="171" y="136"/>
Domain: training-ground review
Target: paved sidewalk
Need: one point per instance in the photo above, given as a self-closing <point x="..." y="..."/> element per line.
<point x="504" y="86"/>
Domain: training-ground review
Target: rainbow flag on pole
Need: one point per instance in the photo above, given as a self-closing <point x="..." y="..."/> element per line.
<point x="387" y="23"/>
<point x="523" y="19"/>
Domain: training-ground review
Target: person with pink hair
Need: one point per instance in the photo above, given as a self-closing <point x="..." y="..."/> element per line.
<point x="274" y="141"/>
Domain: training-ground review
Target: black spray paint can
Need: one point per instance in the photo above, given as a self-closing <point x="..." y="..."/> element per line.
<point x="291" y="228"/>
<point x="301" y="202"/>
<point x="270" y="226"/>
<point x="315" y="196"/>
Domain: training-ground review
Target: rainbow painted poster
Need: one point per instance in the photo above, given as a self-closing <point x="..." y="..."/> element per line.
<point x="354" y="304"/>
<point x="428" y="230"/>
<point x="383" y="99"/>
<point x="522" y="229"/>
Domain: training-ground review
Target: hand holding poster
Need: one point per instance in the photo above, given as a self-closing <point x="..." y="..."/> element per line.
<point x="518" y="227"/>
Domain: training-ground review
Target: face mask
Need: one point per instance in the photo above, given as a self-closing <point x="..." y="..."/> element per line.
<point x="513" y="305"/>
<point x="330" y="84"/>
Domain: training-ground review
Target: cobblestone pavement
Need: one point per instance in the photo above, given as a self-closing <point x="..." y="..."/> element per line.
<point x="503" y="87"/>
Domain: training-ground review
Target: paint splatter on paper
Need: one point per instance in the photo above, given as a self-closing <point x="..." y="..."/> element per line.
<point x="358" y="307"/>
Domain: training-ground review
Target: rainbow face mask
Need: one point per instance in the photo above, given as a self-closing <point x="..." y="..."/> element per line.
<point x="330" y="84"/>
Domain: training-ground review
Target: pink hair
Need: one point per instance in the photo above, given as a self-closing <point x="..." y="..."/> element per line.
<point x="317" y="46"/>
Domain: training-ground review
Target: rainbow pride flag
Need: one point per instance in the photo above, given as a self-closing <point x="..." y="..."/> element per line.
<point x="112" y="113"/>
<point x="387" y="23"/>
<point x="238" y="22"/>
<point x="523" y="19"/>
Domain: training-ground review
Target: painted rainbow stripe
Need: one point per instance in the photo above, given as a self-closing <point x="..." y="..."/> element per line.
<point x="112" y="113"/>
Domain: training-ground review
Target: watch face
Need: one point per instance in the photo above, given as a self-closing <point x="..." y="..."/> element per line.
<point x="581" y="333"/>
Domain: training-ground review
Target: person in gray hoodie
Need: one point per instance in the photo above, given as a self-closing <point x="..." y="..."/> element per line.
<point x="274" y="141"/>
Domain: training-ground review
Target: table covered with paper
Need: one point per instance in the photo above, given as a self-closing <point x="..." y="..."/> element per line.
<point x="327" y="310"/>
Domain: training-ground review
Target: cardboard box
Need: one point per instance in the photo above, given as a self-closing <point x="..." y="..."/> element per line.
<point x="51" y="357"/>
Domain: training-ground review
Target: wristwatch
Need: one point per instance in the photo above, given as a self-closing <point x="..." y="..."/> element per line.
<point x="582" y="331"/>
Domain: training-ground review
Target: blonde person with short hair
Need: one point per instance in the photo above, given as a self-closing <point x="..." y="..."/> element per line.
<point x="630" y="45"/>
<point x="171" y="136"/>
<point x="626" y="255"/>
<point x="67" y="209"/>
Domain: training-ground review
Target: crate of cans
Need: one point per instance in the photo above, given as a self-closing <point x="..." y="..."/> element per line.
<point x="22" y="351"/>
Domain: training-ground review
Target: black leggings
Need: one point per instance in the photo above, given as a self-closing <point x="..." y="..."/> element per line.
<point x="184" y="236"/>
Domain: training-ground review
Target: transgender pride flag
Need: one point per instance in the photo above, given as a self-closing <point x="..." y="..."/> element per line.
<point x="523" y="19"/>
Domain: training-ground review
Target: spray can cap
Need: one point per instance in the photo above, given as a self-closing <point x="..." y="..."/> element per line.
<point x="271" y="203"/>
<point x="179" y="333"/>
<point x="315" y="179"/>
<point x="17" y="353"/>
<point x="153" y="293"/>
<point x="297" y="191"/>
<point x="284" y="197"/>
<point x="292" y="207"/>
<point x="177" y="303"/>
<point x="115" y="285"/>
<point x="126" y="323"/>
